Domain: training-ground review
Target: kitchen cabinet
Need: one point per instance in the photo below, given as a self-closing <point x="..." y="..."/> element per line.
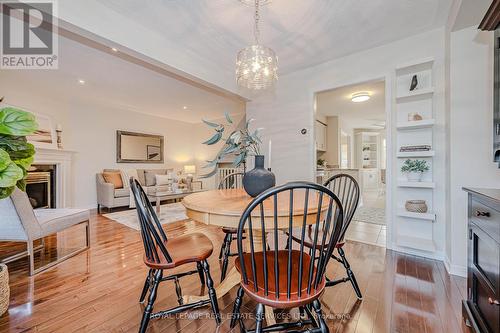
<point x="370" y="179"/>
<point x="320" y="131"/>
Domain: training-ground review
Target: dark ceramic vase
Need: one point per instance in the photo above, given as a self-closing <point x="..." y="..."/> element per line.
<point x="258" y="179"/>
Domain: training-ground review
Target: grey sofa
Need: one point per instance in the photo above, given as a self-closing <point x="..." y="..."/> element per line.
<point x="109" y="197"/>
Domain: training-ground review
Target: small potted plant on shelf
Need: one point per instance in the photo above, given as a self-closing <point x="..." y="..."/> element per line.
<point x="414" y="169"/>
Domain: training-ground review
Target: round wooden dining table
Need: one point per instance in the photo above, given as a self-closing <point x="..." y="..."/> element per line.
<point x="224" y="208"/>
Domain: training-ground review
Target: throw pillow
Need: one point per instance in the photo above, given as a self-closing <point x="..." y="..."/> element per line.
<point x="163" y="180"/>
<point x="114" y="178"/>
<point x="126" y="175"/>
<point x="150" y="176"/>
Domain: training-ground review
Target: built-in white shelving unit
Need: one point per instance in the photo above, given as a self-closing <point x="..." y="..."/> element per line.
<point x="425" y="91"/>
<point x="367" y="150"/>
<point x="419" y="216"/>
<point x="406" y="154"/>
<point x="404" y="183"/>
<point x="415" y="123"/>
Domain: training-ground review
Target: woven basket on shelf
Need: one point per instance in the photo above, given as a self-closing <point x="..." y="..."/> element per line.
<point x="4" y="289"/>
<point x="416" y="206"/>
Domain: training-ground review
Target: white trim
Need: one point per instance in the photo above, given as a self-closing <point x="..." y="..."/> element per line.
<point x="406" y="154"/>
<point x="437" y="255"/>
<point x="414" y="63"/>
<point x="390" y="160"/>
<point x="416" y="124"/>
<point x="63" y="160"/>
<point x="390" y="138"/>
<point x="452" y="269"/>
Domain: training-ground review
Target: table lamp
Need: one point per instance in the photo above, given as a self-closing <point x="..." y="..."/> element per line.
<point x="189" y="170"/>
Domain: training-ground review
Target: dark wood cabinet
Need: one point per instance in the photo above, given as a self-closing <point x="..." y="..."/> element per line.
<point x="481" y="309"/>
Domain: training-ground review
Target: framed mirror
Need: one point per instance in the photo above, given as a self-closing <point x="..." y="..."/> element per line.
<point x="138" y="147"/>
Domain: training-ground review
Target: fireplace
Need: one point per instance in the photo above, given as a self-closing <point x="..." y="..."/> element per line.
<point x="41" y="186"/>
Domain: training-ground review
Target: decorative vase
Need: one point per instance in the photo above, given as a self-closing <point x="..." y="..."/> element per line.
<point x="414" y="176"/>
<point x="416" y="206"/>
<point x="258" y="179"/>
<point x="4" y="289"/>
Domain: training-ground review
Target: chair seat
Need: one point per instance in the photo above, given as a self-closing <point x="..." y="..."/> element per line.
<point x="122" y="192"/>
<point x="309" y="238"/>
<point x="183" y="250"/>
<point x="272" y="299"/>
<point x="55" y="220"/>
<point x="228" y="230"/>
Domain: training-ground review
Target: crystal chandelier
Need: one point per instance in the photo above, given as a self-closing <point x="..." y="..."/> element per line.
<point x="256" y="65"/>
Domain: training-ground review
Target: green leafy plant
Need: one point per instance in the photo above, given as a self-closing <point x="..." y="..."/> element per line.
<point x="415" y="166"/>
<point x="321" y="162"/>
<point x="16" y="154"/>
<point x="239" y="143"/>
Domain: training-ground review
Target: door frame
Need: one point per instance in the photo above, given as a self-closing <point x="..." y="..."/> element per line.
<point x="390" y="143"/>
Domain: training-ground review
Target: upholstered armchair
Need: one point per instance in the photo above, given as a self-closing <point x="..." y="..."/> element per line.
<point x="108" y="196"/>
<point x="20" y="223"/>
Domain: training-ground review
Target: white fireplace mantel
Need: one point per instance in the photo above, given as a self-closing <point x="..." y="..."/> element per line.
<point x="63" y="160"/>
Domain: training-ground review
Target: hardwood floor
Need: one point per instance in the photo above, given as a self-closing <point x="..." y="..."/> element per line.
<point x="98" y="290"/>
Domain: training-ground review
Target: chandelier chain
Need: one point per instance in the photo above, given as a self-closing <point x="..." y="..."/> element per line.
<point x="257" y="20"/>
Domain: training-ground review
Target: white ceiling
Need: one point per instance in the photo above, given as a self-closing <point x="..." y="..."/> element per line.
<point x="303" y="33"/>
<point x="337" y="102"/>
<point x="119" y="84"/>
<point x="471" y="13"/>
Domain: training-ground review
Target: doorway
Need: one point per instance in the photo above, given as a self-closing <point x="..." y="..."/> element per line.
<point x="351" y="139"/>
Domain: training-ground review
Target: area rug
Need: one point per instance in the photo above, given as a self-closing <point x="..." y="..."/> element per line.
<point x="169" y="213"/>
<point x="370" y="215"/>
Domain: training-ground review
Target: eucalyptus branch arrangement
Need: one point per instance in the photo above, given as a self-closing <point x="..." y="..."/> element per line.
<point x="239" y="143"/>
<point x="415" y="166"/>
<point x="16" y="154"/>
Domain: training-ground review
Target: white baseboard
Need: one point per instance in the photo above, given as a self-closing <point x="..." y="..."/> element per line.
<point x="452" y="269"/>
<point x="431" y="255"/>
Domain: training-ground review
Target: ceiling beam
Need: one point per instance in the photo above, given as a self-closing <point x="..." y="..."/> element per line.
<point x="491" y="20"/>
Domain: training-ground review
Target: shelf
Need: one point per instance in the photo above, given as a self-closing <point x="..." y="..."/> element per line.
<point x="429" y="153"/>
<point x="416" y="184"/>
<point x="409" y="125"/>
<point x="416" y="243"/>
<point x="418" y="92"/>
<point x="421" y="62"/>
<point x="420" y="216"/>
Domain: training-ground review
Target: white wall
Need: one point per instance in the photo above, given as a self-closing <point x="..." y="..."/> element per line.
<point x="471" y="131"/>
<point x="332" y="155"/>
<point x="90" y="131"/>
<point x="290" y="109"/>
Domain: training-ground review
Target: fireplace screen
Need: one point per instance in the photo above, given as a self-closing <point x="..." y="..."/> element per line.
<point x="41" y="186"/>
<point x="38" y="188"/>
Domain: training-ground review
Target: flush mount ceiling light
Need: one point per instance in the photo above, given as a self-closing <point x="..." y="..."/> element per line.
<point x="256" y="65"/>
<point x="252" y="2"/>
<point x="82" y="82"/>
<point x="360" y="97"/>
